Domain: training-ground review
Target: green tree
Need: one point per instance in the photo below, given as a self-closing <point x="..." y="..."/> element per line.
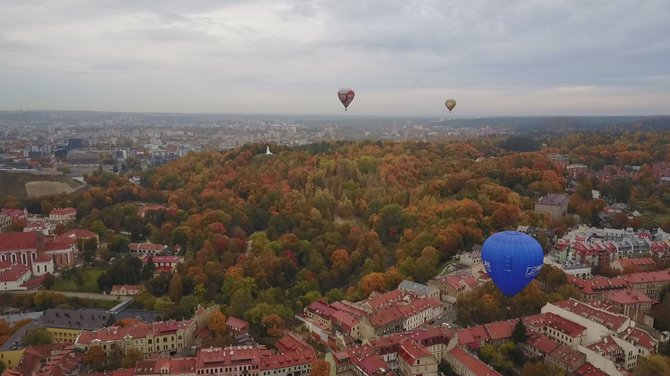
<point x="540" y="368"/>
<point x="89" y="248"/>
<point x="131" y="358"/>
<point x="519" y="332"/>
<point x="37" y="336"/>
<point x="118" y="244"/>
<point x="48" y="281"/>
<point x="652" y="365"/>
<point x="95" y="358"/>
<point x="99" y="228"/>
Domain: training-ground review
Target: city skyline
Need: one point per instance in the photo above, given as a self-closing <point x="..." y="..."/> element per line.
<point x="291" y="57"/>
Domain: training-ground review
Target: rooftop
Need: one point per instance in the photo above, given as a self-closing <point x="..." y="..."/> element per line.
<point x="476" y="366"/>
<point x="648" y="277"/>
<point x="11" y="241"/>
<point x="610" y="320"/>
<point x="629" y="296"/>
<point x="88" y="319"/>
<point x="588" y="369"/>
<point x="554" y="199"/>
<point x="415" y="288"/>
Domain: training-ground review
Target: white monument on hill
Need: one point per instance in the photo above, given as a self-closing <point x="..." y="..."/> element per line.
<point x="267" y="151"/>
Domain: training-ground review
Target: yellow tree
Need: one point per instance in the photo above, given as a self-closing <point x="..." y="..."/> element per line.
<point x="320" y="368"/>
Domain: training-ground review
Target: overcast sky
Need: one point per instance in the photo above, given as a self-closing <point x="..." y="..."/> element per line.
<point x="525" y="57"/>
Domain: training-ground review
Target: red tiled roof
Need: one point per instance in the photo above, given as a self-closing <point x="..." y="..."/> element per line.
<point x="173" y="366"/>
<point x="146" y="247"/>
<point x="43" y="257"/>
<point x="356" y="312"/>
<point x="473" y="334"/>
<point x="5" y="265"/>
<point x="640" y="338"/>
<point x="631" y="262"/>
<point x="236" y="323"/>
<point x="63" y="211"/>
<point x="410" y="351"/>
<point x="563" y="325"/>
<point x="117" y="288"/>
<point x="500" y="330"/>
<point x="608" y="319"/>
<point x="290" y="343"/>
<point x="14" y="213"/>
<point x="345" y="320"/>
<point x="136" y="330"/>
<point x="384" y="299"/>
<point x="459" y="282"/>
<point x="629" y="296"/>
<point x="14" y="273"/>
<point x="373" y="364"/>
<point x="588" y="369"/>
<point x="321" y="309"/>
<point x="476" y="366"/>
<point x="119" y="372"/>
<point x="163" y="259"/>
<point x="79" y="233"/>
<point x="385" y="316"/>
<point x="417" y="306"/>
<point x="648" y="277"/>
<point x="606" y="346"/>
<point x="568" y="357"/>
<point x="55" y="245"/>
<point x="541" y="343"/>
<point x="12" y="241"/>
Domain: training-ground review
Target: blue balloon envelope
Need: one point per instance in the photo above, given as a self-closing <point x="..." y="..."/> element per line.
<point x="512" y="260"/>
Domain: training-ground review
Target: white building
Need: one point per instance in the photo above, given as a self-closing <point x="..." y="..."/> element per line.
<point x="12" y="277"/>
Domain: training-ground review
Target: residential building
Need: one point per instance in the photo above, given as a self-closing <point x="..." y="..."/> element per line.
<point x="5" y="222"/>
<point x="126" y="290"/>
<point x="164" y="264"/>
<point x="147" y="338"/>
<point x="552" y="205"/>
<point x="634" y="265"/>
<point x="576" y="170"/>
<point x="48" y="360"/>
<point x="465" y="364"/>
<point x="146" y="249"/>
<point x="237" y="326"/>
<point x="454" y="285"/>
<point x="472" y="258"/>
<point x="650" y="283"/>
<point x="13" y="277"/>
<point x="293" y="358"/>
<point x="567" y="358"/>
<point x="419" y="289"/>
<point x="166" y="366"/>
<point x="62" y="215"/>
<point x="632" y="303"/>
<point x="415" y="360"/>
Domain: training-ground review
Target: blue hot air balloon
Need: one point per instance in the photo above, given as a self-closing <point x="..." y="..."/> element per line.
<point x="512" y="259"/>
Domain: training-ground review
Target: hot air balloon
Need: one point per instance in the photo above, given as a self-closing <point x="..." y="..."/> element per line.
<point x="346" y="96"/>
<point x="450" y="103"/>
<point x="512" y="259"/>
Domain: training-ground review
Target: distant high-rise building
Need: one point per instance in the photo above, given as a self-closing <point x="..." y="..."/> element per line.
<point x="75" y="143"/>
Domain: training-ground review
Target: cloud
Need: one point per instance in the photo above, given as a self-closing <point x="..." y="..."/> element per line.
<point x="292" y="56"/>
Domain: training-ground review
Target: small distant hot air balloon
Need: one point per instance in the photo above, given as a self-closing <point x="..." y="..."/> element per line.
<point x="512" y="259"/>
<point x="346" y="96"/>
<point x="450" y="103"/>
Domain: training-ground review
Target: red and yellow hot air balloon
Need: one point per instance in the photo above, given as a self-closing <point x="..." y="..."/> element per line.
<point x="346" y="97"/>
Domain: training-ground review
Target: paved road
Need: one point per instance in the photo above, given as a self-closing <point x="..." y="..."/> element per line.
<point x="83" y="295"/>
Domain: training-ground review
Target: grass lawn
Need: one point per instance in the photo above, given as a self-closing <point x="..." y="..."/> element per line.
<point x="90" y="282"/>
